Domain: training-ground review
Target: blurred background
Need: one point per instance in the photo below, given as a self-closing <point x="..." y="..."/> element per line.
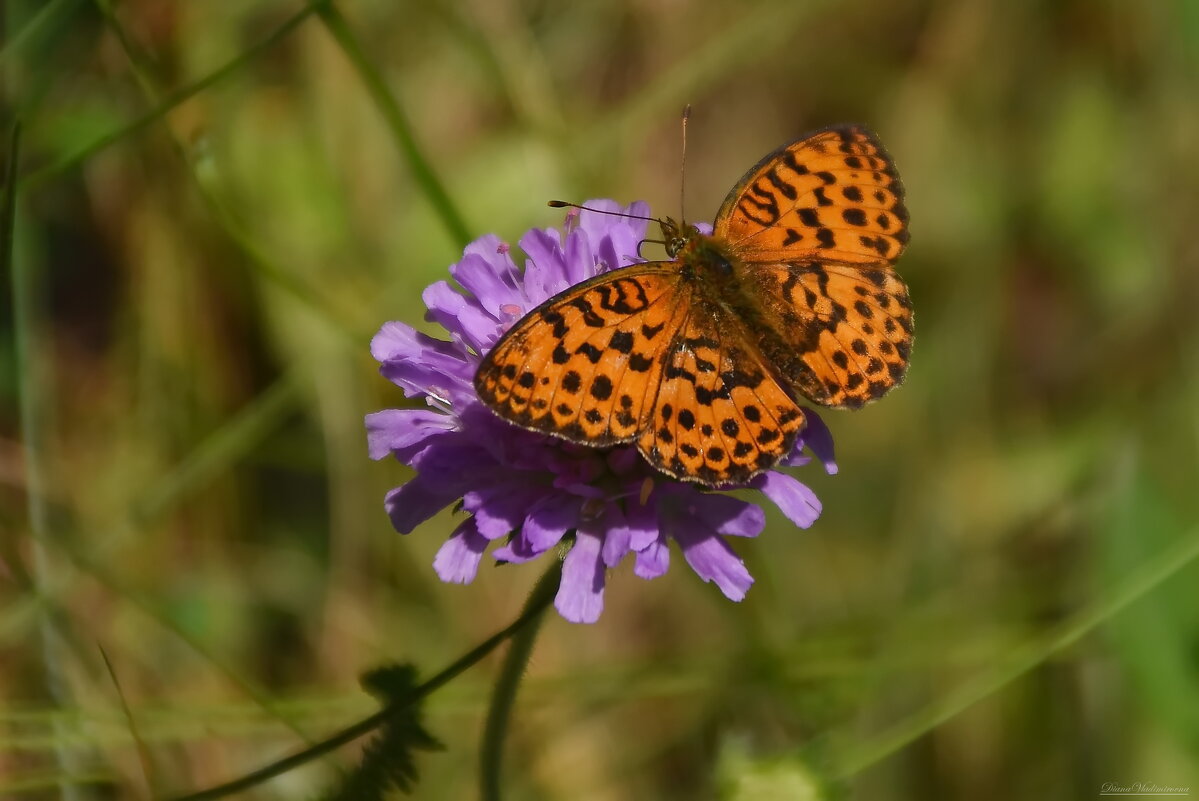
<point x="216" y="210"/>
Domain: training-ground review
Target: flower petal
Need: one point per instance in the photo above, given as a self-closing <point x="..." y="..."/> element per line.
<point x="642" y="520"/>
<point x="732" y="516"/>
<point x="393" y="341"/>
<point x="792" y="497"/>
<point x="500" y="506"/>
<point x="413" y="503"/>
<point x="614" y="240"/>
<point x="615" y="532"/>
<point x="462" y="316"/>
<point x="819" y="440"/>
<point x="549" y="519"/>
<point x="404" y="432"/>
<point x="722" y="514"/>
<point x="545" y="270"/>
<point x="713" y="560"/>
<point x="580" y="258"/>
<point x="653" y="560"/>
<point x="580" y="596"/>
<point x="488" y="273"/>
<point x="420" y="364"/>
<point x="457" y="560"/>
<point x="516" y="551"/>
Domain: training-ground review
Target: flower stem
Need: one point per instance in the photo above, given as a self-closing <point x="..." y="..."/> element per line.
<point x="539" y="599"/>
<point x="491" y="750"/>
<point x="397" y="123"/>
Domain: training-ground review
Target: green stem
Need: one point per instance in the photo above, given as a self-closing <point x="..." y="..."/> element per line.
<point x="1147" y="578"/>
<point x="398" y="123"/>
<point x="34" y="401"/>
<point x="39" y="27"/>
<point x="495" y="731"/>
<point x="539" y="600"/>
<point x="169" y="101"/>
<point x="342" y="321"/>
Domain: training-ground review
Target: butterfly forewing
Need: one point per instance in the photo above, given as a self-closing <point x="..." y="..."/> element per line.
<point x="585" y="364"/>
<point x="834" y="195"/>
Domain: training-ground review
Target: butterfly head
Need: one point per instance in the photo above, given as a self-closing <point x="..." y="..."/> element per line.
<point x="676" y="235"/>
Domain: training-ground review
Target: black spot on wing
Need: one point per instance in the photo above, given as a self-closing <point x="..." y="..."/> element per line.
<point x="601" y="387"/>
<point x="622" y="342"/>
<point x="590" y="351"/>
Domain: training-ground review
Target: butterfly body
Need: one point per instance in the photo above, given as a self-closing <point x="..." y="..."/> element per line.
<point x="699" y="360"/>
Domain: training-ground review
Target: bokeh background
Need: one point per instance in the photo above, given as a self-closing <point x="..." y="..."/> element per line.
<point x="215" y="211"/>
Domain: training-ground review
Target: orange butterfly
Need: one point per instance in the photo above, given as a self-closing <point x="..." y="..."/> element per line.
<point x="698" y="359"/>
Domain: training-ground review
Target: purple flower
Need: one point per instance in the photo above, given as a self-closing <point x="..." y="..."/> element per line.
<point x="530" y="491"/>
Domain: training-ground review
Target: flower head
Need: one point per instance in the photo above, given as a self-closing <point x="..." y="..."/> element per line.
<point x="530" y="491"/>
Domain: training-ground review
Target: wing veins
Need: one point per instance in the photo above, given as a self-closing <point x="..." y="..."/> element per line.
<point x="587" y="379"/>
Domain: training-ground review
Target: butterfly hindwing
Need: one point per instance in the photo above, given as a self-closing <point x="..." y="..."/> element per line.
<point x="834" y="195"/>
<point x="719" y="417"/>
<point x="848" y="326"/>
<point x="584" y="365"/>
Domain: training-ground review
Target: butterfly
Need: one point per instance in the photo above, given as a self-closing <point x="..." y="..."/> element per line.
<point x="699" y="359"/>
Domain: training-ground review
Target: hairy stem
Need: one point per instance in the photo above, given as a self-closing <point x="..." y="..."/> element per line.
<point x="539" y="599"/>
<point x="499" y="712"/>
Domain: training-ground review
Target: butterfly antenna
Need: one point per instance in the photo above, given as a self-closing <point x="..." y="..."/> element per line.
<point x="562" y="204"/>
<point x="683" y="167"/>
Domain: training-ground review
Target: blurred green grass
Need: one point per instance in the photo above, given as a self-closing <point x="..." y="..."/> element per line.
<point x="201" y="293"/>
